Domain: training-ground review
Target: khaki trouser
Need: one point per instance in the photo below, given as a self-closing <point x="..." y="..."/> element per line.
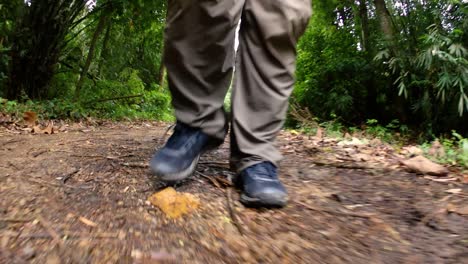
<point x="199" y="56"/>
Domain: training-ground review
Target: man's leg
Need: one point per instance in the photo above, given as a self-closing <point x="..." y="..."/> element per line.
<point x="199" y="57"/>
<point x="265" y="69"/>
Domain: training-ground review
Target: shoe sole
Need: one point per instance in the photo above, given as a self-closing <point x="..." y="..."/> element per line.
<point x="182" y="175"/>
<point x="267" y="202"/>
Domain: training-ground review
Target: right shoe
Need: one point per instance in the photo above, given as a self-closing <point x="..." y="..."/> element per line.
<point x="261" y="186"/>
<point x="178" y="159"/>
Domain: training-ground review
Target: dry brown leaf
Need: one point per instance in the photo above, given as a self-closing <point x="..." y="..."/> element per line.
<point x="437" y="150"/>
<point x="174" y="204"/>
<point x="49" y="129"/>
<point x="36" y="129"/>
<point x="464" y="179"/>
<point x="463" y="210"/>
<point x="450" y="179"/>
<point x="319" y="133"/>
<point x="423" y="165"/>
<point x="30" y="118"/>
<point x="87" y="222"/>
<point x="454" y="191"/>
<point x="412" y="150"/>
<point x="4" y="118"/>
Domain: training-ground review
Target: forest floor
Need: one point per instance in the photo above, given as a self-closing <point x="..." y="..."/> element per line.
<point x="81" y="196"/>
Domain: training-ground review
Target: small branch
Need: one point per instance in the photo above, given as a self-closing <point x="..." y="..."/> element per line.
<point x="215" y="163"/>
<point x="212" y="180"/>
<point x="310" y="207"/>
<point x="135" y="165"/>
<point x="343" y="165"/>
<point x="37" y="154"/>
<point x="232" y="212"/>
<point x="48" y="227"/>
<point x="15" y="220"/>
<point x="69" y="175"/>
<point x="69" y="235"/>
<point x="114" y="98"/>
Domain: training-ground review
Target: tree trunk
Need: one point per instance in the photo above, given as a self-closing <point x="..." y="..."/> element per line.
<point x="104" y="53"/>
<point x="364" y="26"/>
<point x="385" y="21"/>
<point x="100" y="27"/>
<point x="161" y="75"/>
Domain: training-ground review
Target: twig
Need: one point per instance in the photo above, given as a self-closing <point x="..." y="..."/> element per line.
<point x="70" y="235"/>
<point x="232" y="212"/>
<point x="37" y="154"/>
<point x="224" y="181"/>
<point x="217" y="163"/>
<point x="15" y="220"/>
<point x="213" y="180"/>
<point x="48" y="184"/>
<point x="11" y="141"/>
<point x="47" y="226"/>
<point x="347" y="213"/>
<point x="69" y="175"/>
<point x="135" y="165"/>
<point x="343" y="166"/>
<point x="114" y="98"/>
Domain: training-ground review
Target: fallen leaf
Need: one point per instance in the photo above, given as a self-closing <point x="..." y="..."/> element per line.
<point x="450" y="179"/>
<point x="437" y="150"/>
<point x="353" y="142"/>
<point x="161" y="256"/>
<point x="464" y="179"/>
<point x="4" y="118"/>
<point x="423" y="165"/>
<point x="457" y="210"/>
<point x="87" y="222"/>
<point x="174" y="204"/>
<point x="454" y="191"/>
<point x="49" y="129"/>
<point x="36" y="129"/>
<point x="319" y="133"/>
<point x="30" y="118"/>
<point x="412" y="150"/>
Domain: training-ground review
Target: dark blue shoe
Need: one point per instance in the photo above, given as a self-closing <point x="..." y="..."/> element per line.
<point x="261" y="187"/>
<point x="178" y="159"/>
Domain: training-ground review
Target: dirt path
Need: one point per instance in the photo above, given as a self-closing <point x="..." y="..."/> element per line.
<point x="80" y="197"/>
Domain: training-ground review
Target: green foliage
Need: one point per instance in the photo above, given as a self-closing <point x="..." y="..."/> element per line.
<point x="331" y="73"/>
<point x="455" y="150"/>
<point x="355" y="65"/>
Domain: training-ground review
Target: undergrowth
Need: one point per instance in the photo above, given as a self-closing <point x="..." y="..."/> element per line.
<point x="151" y="105"/>
<point x="454" y="147"/>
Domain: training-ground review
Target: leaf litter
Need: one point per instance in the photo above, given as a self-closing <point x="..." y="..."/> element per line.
<point x="349" y="203"/>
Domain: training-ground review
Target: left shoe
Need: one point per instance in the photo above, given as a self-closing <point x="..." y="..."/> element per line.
<point x="178" y="159"/>
<point x="261" y="187"/>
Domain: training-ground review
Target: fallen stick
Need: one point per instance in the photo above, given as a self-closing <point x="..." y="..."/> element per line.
<point x="114" y="98"/>
<point x="70" y="235"/>
<point x="15" y="220"/>
<point x="69" y="175"/>
<point x="232" y="212"/>
<point x="48" y="227"/>
<point x="344" y="166"/>
<point x="347" y="213"/>
<point x="211" y="179"/>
